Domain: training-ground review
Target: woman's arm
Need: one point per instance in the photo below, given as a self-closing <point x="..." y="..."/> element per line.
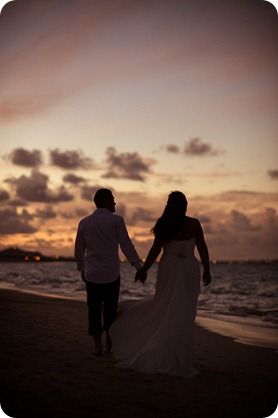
<point x="204" y="254"/>
<point x="151" y="257"/>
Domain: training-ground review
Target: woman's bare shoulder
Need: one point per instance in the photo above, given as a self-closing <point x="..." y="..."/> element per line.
<point x="190" y="229"/>
<point x="192" y="221"/>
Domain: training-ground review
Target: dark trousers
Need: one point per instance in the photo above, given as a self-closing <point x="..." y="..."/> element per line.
<point x="102" y="301"/>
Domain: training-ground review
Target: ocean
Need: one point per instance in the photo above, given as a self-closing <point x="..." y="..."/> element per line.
<point x="241" y="301"/>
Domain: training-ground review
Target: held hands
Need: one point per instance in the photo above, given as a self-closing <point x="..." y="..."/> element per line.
<point x="141" y="275"/>
<point x="206" y="278"/>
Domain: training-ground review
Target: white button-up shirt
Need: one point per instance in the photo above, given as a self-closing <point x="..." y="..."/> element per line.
<point x="97" y="246"/>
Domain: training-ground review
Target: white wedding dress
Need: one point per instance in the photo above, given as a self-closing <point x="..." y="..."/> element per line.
<point x="154" y="335"/>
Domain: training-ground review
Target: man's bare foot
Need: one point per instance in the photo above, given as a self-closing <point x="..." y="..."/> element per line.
<point x="98" y="345"/>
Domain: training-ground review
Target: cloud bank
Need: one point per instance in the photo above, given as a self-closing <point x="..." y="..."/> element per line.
<point x="25" y="158"/>
<point x="70" y="160"/>
<point x="126" y="165"/>
<point x="35" y="189"/>
<point x="273" y="174"/>
<point x="197" y="147"/>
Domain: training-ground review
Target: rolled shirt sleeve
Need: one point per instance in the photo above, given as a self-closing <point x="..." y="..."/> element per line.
<point x="126" y="245"/>
<point x="79" y="250"/>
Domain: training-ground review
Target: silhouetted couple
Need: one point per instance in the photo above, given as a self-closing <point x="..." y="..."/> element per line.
<point x="152" y="335"/>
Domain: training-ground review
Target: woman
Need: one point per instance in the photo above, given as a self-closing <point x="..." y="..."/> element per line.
<point x="154" y="335"/>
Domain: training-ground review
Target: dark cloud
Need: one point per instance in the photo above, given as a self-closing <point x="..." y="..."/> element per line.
<point x="4" y="195"/>
<point x="25" y="158"/>
<point x="120" y="209"/>
<point x="81" y="213"/>
<point x="172" y="149"/>
<point x="88" y="192"/>
<point x="68" y="215"/>
<point x="126" y="165"/>
<point x="26" y="216"/>
<point x="46" y="213"/>
<point x="13" y="223"/>
<point x="73" y="179"/>
<point x="142" y="214"/>
<point x="241" y="222"/>
<point x="17" y="202"/>
<point x="70" y="159"/>
<point x="35" y="189"/>
<point x="273" y="174"/>
<point x="197" y="147"/>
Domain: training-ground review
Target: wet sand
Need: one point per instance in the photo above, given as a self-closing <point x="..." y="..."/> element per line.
<point x="48" y="370"/>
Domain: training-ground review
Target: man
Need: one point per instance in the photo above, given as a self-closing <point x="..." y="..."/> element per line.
<point x="97" y="254"/>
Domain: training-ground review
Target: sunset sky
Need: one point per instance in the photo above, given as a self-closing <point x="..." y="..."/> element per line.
<point x="143" y="97"/>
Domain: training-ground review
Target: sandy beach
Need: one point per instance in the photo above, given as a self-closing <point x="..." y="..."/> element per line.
<point x="48" y="370"/>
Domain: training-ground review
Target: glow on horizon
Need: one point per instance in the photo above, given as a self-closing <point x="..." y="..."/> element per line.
<point x="159" y="96"/>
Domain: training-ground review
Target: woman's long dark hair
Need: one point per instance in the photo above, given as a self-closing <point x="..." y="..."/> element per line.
<point x="172" y="219"/>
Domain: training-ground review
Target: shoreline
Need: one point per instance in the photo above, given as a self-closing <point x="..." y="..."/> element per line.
<point x="240" y="331"/>
<point x="48" y="370"/>
<point x="237" y="328"/>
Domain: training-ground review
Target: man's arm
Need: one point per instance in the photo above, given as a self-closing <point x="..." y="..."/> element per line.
<point x="126" y="245"/>
<point x="79" y="251"/>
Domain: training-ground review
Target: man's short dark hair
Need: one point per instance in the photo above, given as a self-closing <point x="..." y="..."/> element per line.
<point x="101" y="196"/>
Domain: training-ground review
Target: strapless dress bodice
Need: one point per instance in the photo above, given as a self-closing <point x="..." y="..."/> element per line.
<point x="179" y="248"/>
